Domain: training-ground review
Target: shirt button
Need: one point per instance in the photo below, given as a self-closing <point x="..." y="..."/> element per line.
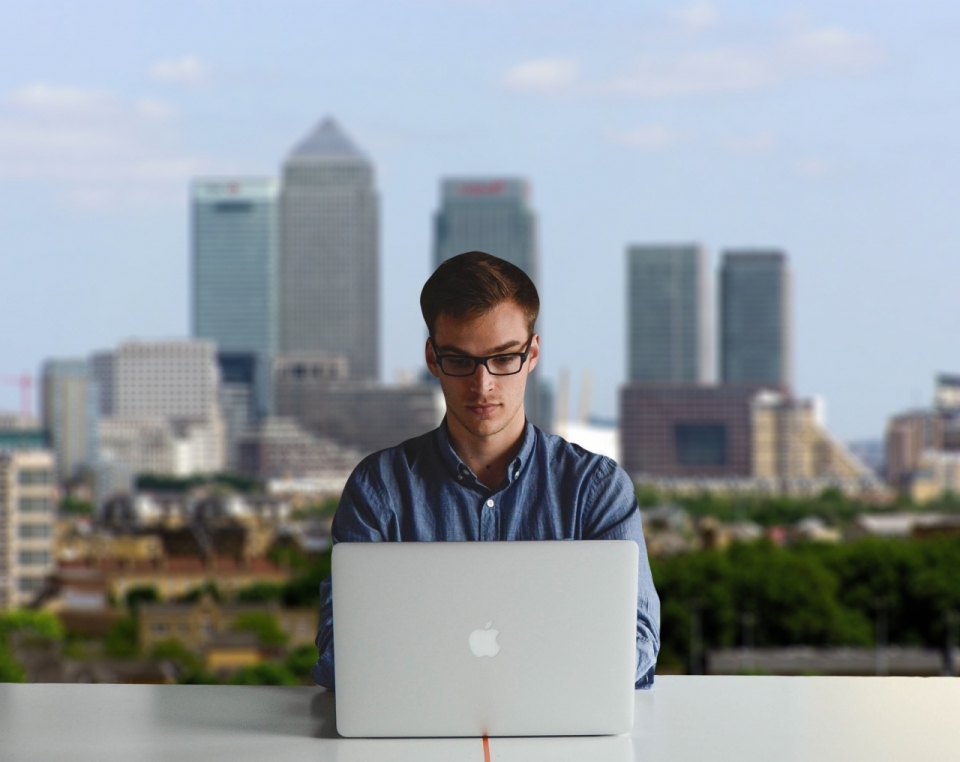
<point x="489" y="504"/>
<point x="516" y="474"/>
<point x="460" y="478"/>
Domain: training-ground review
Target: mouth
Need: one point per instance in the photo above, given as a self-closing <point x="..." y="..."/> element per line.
<point x="483" y="409"/>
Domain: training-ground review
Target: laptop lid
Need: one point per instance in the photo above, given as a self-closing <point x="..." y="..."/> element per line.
<point x="485" y="638"/>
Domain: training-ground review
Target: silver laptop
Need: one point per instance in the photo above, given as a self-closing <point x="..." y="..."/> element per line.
<point x="485" y="638"/>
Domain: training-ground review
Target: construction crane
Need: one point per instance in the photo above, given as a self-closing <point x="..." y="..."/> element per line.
<point x="25" y="383"/>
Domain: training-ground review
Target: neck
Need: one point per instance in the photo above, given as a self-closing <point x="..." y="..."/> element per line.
<point x="488" y="457"/>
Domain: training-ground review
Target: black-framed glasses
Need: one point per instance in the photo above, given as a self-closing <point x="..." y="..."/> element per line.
<point x="506" y="364"/>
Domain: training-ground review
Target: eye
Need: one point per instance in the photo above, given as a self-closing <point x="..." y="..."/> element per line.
<point x="505" y="362"/>
<point x="458" y="363"/>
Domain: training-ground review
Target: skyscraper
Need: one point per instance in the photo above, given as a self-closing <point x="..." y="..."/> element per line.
<point x="668" y="314"/>
<point x="329" y="252"/>
<point x="487" y="214"/>
<point x="69" y="407"/>
<point x="755" y="318"/>
<point x="235" y="277"/>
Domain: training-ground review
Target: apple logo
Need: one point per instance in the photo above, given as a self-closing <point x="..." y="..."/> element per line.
<point x="484" y="642"/>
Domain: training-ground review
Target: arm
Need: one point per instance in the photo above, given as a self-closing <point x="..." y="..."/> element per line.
<point x="353" y="522"/>
<point x="612" y="513"/>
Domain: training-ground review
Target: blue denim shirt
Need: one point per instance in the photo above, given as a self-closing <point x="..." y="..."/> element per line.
<point x="554" y="490"/>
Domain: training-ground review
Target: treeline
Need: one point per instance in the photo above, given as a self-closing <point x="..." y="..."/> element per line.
<point x="847" y="594"/>
<point x="831" y="505"/>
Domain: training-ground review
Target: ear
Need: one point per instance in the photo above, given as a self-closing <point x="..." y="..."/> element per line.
<point x="534" y="355"/>
<point x="431" y="359"/>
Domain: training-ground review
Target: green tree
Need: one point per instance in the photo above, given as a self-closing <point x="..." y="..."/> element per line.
<point x="71" y="506"/>
<point x="260" y="592"/>
<point x="11" y="670"/>
<point x="207" y="588"/>
<point x="300" y="661"/>
<point x="121" y="639"/>
<point x="141" y="594"/>
<point x="304" y="589"/>
<point x="264" y="625"/>
<point x="174" y="650"/>
<point x="264" y="674"/>
<point x="32" y="624"/>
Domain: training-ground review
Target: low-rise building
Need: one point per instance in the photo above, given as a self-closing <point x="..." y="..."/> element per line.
<point x="734" y="438"/>
<point x="199" y="626"/>
<point x="28" y="498"/>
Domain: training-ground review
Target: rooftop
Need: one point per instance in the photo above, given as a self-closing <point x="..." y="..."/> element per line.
<point x="327" y="141"/>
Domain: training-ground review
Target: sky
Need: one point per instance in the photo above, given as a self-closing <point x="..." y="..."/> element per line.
<point x="829" y="130"/>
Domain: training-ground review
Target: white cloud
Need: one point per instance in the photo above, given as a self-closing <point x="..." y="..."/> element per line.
<point x="651" y="137"/>
<point x="712" y="71"/>
<point x="93" y="148"/>
<point x="696" y="17"/>
<point x="806" y="52"/>
<point x="547" y="76"/>
<point x="761" y="142"/>
<point x="813" y="167"/>
<point x="186" y="70"/>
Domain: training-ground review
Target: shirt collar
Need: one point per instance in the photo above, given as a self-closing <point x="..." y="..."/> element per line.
<point x="458" y="468"/>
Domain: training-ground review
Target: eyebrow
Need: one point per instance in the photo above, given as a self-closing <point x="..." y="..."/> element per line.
<point x="447" y="348"/>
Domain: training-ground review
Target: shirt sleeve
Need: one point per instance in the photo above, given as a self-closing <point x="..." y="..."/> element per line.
<point x="354" y="521"/>
<point x="612" y="513"/>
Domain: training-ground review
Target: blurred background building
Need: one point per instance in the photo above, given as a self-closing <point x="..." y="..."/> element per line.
<point x="329" y="251"/>
<point x="234" y="283"/>
<point x="668" y="326"/>
<point x="70" y="416"/>
<point x="755" y="318"/>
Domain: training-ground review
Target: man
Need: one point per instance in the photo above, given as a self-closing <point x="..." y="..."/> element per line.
<point x="486" y="473"/>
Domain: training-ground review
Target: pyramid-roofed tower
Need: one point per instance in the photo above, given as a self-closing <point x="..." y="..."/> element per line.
<point x="327" y="141"/>
<point x="329" y="252"/>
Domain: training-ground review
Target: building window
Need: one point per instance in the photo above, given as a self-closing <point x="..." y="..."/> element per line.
<point x="158" y="628"/>
<point x="32" y="531"/>
<point x="701" y="444"/>
<point x="30" y="584"/>
<point x="32" y="476"/>
<point x="34" y="558"/>
<point x="35" y="504"/>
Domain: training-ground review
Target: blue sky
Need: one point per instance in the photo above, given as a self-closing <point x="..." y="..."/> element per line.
<point x="827" y="129"/>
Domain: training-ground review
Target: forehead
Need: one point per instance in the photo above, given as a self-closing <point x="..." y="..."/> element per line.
<point x="478" y="334"/>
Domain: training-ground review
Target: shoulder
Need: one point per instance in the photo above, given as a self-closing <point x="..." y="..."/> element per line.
<point x="383" y="468"/>
<point x="568" y="458"/>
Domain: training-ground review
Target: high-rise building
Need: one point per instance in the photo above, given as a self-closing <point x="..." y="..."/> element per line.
<point x="493" y="214"/>
<point x="755" y="318"/>
<point x="165" y="407"/>
<point x="329" y="251"/>
<point x="235" y="261"/>
<point x="169" y="379"/>
<point x="490" y="214"/>
<point x="69" y="408"/>
<point x="27" y="512"/>
<point x="668" y="329"/>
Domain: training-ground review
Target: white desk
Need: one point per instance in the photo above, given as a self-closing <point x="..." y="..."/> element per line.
<point x="682" y="718"/>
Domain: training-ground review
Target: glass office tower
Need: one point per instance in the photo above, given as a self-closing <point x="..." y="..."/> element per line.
<point x="70" y="412"/>
<point x="487" y="214"/>
<point x="668" y="328"/>
<point x="235" y="262"/>
<point x="329" y="252"/>
<point x="755" y="318"/>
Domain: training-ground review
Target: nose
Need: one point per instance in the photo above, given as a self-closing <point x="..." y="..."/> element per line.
<point x="482" y="378"/>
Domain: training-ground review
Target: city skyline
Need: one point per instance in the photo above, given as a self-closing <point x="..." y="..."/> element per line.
<point x="833" y="141"/>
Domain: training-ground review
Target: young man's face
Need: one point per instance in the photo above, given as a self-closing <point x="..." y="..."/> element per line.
<point x="483" y="405"/>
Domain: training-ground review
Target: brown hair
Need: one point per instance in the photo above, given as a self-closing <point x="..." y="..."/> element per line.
<point x="473" y="283"/>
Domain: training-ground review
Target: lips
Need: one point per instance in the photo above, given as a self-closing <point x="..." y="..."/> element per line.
<point x="482" y="410"/>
